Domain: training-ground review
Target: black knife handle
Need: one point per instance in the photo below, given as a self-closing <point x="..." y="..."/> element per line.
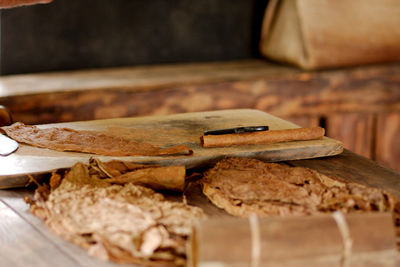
<point x="245" y="129"/>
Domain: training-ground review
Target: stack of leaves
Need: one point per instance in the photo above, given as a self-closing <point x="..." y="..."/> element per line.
<point x="100" y="208"/>
<point x="245" y="186"/>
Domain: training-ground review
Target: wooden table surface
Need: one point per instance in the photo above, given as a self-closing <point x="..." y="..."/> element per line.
<point x="359" y="106"/>
<point x="25" y="240"/>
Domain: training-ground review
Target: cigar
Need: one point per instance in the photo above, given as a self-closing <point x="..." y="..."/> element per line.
<point x="262" y="137"/>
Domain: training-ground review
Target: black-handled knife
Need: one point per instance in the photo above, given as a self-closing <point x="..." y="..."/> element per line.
<point x="237" y="130"/>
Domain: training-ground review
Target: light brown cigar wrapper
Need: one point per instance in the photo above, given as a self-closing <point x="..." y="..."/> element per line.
<point x="159" y="178"/>
<point x="321" y="240"/>
<point x="262" y="137"/>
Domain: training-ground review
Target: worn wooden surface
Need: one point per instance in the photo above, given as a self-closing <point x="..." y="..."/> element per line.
<point x="25" y="241"/>
<point x="307" y="97"/>
<point x="355" y="168"/>
<point x="165" y="131"/>
<point x="388" y="140"/>
<point x="305" y="121"/>
<point x="22" y="245"/>
<point x="355" y="130"/>
<point x="215" y="240"/>
<point x="280" y="90"/>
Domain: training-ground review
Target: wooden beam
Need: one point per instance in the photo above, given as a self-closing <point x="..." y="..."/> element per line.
<point x="355" y="130"/>
<point x="388" y="140"/>
<point x="148" y="90"/>
<point x="305" y="121"/>
<point x="140" y="78"/>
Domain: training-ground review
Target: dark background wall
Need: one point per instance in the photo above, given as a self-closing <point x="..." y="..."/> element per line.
<point x="76" y="34"/>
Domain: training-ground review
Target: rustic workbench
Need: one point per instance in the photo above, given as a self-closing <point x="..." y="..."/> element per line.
<point x="25" y="240"/>
<point x="359" y="106"/>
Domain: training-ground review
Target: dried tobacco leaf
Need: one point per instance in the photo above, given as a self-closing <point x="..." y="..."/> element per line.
<point x="153" y="176"/>
<point x="55" y="180"/>
<point x="115" y="168"/>
<point x="126" y="224"/>
<point x="244" y="186"/>
<point x="101" y="143"/>
<point x="161" y="178"/>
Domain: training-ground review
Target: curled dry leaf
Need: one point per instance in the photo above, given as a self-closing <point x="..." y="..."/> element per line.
<point x="244" y="186"/>
<point x="161" y="178"/>
<point x="115" y="168"/>
<point x="126" y="224"/>
<point x="153" y="176"/>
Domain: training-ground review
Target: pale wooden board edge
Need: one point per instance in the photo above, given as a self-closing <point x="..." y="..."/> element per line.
<point x="273" y="152"/>
<point x="22" y="245"/>
<point x="21" y="180"/>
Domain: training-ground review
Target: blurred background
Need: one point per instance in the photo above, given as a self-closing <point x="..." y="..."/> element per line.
<point x="76" y="34"/>
<point x="311" y="62"/>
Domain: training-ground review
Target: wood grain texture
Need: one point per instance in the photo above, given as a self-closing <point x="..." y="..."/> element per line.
<point x="166" y="131"/>
<point x="22" y="245"/>
<point x="388" y="140"/>
<point x="157" y="90"/>
<point x="282" y="91"/>
<point x="305" y="121"/>
<point x="355" y="168"/>
<point x="354" y="130"/>
<point x="141" y="78"/>
<point x="75" y="255"/>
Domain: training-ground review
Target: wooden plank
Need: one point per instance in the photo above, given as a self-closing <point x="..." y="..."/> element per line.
<point x="388" y="140"/>
<point x="305" y="121"/>
<point x="46" y="241"/>
<point x="355" y="168"/>
<point x="156" y="90"/>
<point x="141" y="78"/>
<point x="165" y="131"/>
<point x="354" y="130"/>
<point x="21" y="245"/>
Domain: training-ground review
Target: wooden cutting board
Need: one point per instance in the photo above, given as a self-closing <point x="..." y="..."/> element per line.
<point x="165" y="131"/>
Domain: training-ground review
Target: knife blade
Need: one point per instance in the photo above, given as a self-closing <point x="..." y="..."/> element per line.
<point x="7" y="145"/>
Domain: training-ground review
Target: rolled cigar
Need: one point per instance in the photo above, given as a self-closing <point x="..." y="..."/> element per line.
<point x="320" y="240"/>
<point x="262" y="137"/>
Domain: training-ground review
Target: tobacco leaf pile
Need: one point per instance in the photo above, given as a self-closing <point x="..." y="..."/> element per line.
<point x="110" y="209"/>
<point x="125" y="222"/>
<point x="245" y="186"/>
